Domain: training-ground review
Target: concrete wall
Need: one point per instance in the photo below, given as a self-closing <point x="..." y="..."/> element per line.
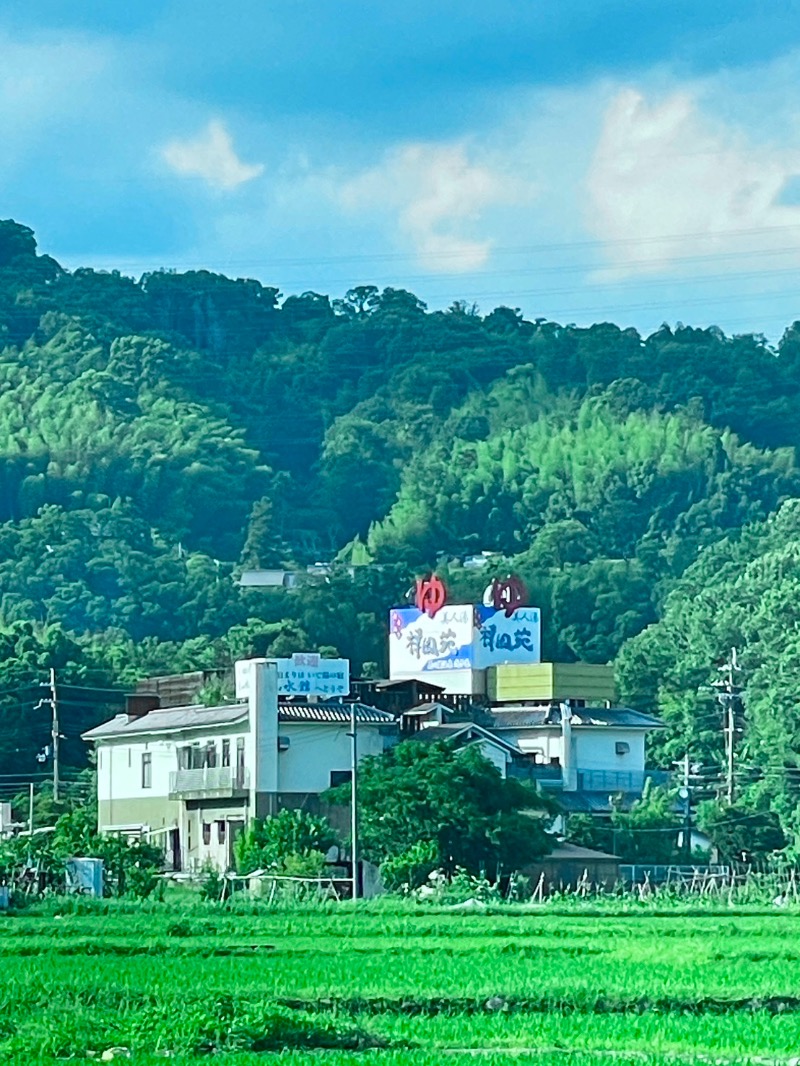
<point x="595" y="749"/>
<point x="546" y="741"/>
<point x="316" y="749"/>
<point x="209" y="828"/>
<point x="497" y="756"/>
<point x="119" y="761"/>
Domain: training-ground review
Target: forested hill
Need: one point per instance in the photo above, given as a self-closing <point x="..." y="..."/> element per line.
<point x="157" y="434"/>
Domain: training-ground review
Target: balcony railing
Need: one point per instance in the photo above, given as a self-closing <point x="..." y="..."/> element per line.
<point x="217" y="782"/>
<point x="552" y="778"/>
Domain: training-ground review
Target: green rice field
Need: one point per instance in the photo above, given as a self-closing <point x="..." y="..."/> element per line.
<point x="398" y="985"/>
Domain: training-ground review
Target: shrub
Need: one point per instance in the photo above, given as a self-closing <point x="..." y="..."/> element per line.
<point x="411" y="868"/>
<point x="212" y="883"/>
<point x="281" y="842"/>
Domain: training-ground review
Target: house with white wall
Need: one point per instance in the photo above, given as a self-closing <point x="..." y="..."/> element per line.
<point x="462" y="735"/>
<point x="587" y="754"/>
<point x="191" y="777"/>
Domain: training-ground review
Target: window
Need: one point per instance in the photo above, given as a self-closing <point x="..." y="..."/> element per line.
<point x="211" y="754"/>
<point x="206" y="833"/>
<point x="226" y="753"/>
<point x="221" y="831"/>
<point x="240" y="761"/>
<point x="147" y="770"/>
<point x="339" y="777"/>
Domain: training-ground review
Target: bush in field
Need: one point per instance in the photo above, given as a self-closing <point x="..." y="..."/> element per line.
<point x="741" y="833"/>
<point x="411" y="868"/>
<point x="289" y="842"/>
<point x="211" y="883"/>
<point x="455" y="802"/>
<point x="647" y="833"/>
<point x="131" y="868"/>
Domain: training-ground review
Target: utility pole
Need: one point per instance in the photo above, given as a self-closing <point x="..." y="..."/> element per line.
<point x="729" y="762"/>
<point x="55" y="732"/>
<point x="727" y="696"/>
<point x="686" y="795"/>
<point x="354" y="796"/>
<point x="30" y="809"/>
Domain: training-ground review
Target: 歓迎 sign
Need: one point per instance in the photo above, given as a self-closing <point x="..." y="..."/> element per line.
<point x="307" y="674"/>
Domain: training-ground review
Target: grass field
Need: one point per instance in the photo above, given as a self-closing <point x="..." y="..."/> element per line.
<point x="399" y="986"/>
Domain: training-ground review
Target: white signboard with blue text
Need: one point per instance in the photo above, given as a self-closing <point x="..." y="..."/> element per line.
<point x="311" y="675"/>
<point x="459" y="642"/>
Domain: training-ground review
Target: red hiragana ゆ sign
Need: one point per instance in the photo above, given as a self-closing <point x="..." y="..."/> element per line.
<point x="507" y="594"/>
<point x="431" y="595"/>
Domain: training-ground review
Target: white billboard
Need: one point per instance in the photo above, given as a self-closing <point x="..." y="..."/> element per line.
<point x="308" y="674"/>
<point x="419" y="644"/>
<point x="450" y="648"/>
<point x="507" y="638"/>
<point x="305" y="674"/>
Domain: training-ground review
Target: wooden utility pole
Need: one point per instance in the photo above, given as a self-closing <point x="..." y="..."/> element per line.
<point x="354" y="796"/>
<point x="55" y="733"/>
<point x="727" y="696"/>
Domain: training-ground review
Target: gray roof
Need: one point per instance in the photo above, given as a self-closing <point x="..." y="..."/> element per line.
<point x="565" y="851"/>
<point x="620" y="717"/>
<point x="169" y="718"/>
<point x="386" y="684"/>
<point x="333" y="712"/>
<point x="456" y="730"/>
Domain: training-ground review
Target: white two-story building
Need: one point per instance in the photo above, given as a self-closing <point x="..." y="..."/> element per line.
<point x="191" y="777"/>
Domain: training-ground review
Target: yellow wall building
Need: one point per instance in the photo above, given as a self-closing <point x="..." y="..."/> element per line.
<point x="550" y="682"/>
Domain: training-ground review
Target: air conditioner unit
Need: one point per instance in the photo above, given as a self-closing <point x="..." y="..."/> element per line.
<point x="284" y="743"/>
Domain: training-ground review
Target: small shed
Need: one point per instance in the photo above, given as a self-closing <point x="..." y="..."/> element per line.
<point x="568" y="865"/>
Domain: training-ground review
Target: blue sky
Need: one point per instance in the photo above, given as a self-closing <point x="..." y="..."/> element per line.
<point x="583" y="160"/>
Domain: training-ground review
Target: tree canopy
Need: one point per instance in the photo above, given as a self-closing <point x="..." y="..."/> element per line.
<point x="158" y="434"/>
<point x="453" y="802"/>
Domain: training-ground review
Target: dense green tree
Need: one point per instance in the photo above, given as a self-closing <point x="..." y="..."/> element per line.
<point x="455" y="801"/>
<point x="156" y="433"/>
<point x="283" y="842"/>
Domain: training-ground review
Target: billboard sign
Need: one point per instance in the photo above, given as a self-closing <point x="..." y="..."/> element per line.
<point x="305" y="674"/>
<point x="308" y="674"/>
<point x="460" y="639"/>
<point x="421" y="644"/>
<point x="503" y="637"/>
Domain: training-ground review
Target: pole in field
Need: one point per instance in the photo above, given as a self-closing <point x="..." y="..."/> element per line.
<point x="685" y="794"/>
<point x="55" y="733"/>
<point x="728" y="693"/>
<point x="354" y="796"/>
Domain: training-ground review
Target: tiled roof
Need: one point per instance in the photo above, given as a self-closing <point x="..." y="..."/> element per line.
<point x="173" y="718"/>
<point x="624" y="717"/>
<point x="169" y="718"/>
<point x="333" y="712"/>
<point x="468" y="730"/>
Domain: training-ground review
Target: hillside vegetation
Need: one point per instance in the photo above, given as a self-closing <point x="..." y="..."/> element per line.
<point x="158" y="434"/>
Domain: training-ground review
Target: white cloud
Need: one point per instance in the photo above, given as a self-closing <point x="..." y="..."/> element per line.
<point x="435" y="193"/>
<point x="212" y="157"/>
<point x="668" y="181"/>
